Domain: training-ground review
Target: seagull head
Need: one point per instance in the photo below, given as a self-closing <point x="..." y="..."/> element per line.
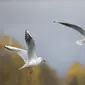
<point x="41" y="60"/>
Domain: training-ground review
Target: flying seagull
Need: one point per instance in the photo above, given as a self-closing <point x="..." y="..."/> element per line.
<point x="29" y="56"/>
<point x="77" y="28"/>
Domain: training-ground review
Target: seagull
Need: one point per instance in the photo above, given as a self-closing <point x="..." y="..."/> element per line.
<point x="29" y="56"/>
<point x="77" y="28"/>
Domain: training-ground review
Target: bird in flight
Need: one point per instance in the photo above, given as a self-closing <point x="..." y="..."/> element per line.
<point x="77" y="28"/>
<point x="29" y="56"/>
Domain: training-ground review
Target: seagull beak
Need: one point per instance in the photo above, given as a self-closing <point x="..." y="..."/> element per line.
<point x="44" y="60"/>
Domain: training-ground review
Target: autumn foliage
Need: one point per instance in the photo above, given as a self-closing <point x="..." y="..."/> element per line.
<point x="10" y="62"/>
<point x="75" y="74"/>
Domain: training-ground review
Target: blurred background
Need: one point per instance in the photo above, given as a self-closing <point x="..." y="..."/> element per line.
<point x="54" y="42"/>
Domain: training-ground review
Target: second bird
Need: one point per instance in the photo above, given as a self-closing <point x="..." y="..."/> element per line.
<point x="77" y="28"/>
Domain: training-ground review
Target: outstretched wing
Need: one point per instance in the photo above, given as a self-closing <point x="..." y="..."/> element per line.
<point x="75" y="27"/>
<point x="31" y="45"/>
<point x="21" y="52"/>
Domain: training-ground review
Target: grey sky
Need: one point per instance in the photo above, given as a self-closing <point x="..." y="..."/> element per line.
<point x="55" y="42"/>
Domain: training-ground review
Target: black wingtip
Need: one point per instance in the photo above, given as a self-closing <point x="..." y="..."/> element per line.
<point x="58" y="22"/>
<point x="27" y="36"/>
<point x="61" y="22"/>
<point x="26" y="31"/>
<point x="65" y="24"/>
<point x="6" y="47"/>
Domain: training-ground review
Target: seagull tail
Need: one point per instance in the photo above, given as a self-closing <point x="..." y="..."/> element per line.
<point x="80" y="42"/>
<point x="24" y="66"/>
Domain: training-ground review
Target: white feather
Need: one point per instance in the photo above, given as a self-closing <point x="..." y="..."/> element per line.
<point x="21" y="52"/>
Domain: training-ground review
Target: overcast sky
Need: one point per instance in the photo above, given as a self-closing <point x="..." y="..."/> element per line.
<point x="54" y="42"/>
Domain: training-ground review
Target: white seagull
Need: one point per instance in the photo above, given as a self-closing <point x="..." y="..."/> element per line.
<point x="30" y="58"/>
<point x="77" y="28"/>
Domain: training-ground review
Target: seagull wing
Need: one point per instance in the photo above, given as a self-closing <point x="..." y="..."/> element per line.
<point x="75" y="27"/>
<point x="21" y="52"/>
<point x="31" y="45"/>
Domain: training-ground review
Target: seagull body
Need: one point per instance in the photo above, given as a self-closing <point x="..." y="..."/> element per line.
<point x="29" y="56"/>
<point x="77" y="28"/>
<point x="80" y="42"/>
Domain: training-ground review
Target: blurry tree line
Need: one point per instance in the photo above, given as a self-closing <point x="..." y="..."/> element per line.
<point x="10" y="62"/>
